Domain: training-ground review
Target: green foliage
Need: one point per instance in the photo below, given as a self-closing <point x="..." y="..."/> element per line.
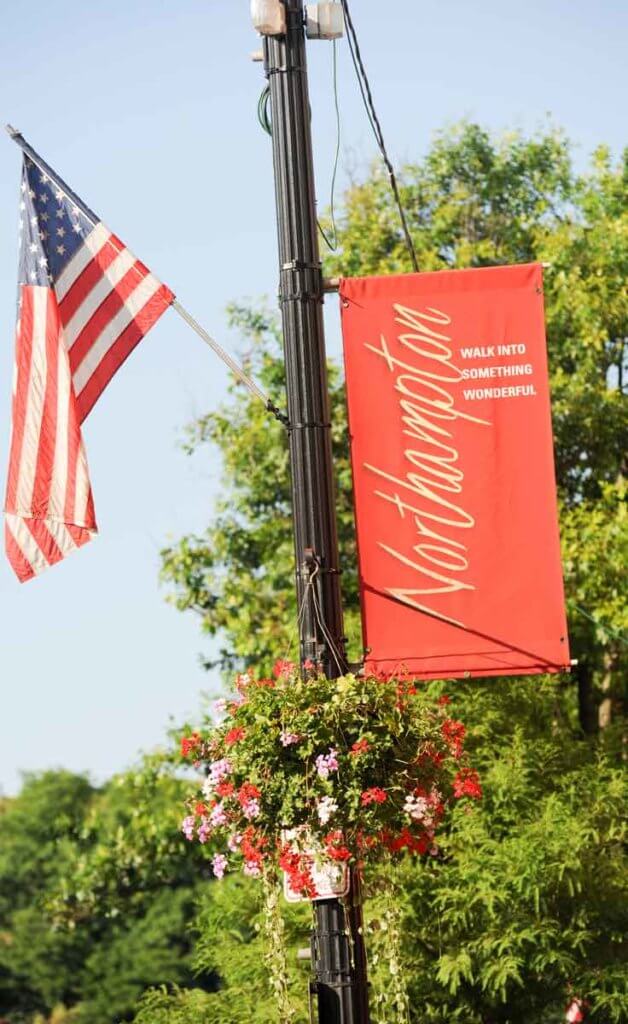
<point x="526" y="907"/>
<point x="336" y="760"/>
<point x="98" y="896"/>
<point x="231" y="946"/>
<point x="238" y="576"/>
<point x="530" y="899"/>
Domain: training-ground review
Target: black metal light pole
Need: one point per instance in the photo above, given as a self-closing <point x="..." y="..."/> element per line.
<point x="337" y="947"/>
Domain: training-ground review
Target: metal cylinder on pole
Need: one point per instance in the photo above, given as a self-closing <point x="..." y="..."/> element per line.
<point x="338" y="956"/>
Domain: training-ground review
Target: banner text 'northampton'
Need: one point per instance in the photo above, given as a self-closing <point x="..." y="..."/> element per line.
<point x="455" y="494"/>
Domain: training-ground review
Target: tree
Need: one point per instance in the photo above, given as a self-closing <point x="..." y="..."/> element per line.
<point x="98" y="896"/>
<point x="520" y="923"/>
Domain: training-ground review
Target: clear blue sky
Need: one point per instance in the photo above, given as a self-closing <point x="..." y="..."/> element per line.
<point x="148" y="111"/>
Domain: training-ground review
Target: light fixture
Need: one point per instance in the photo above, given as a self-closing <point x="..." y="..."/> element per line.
<point x="325" y="21"/>
<point x="269" y="17"/>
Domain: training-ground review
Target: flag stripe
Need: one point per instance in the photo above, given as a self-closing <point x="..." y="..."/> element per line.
<point x="81" y="494"/>
<point x="122" y="348"/>
<point x="18" y="560"/>
<point x="97" y="295"/>
<point x="27" y="544"/>
<point x="66" y="415"/>
<point x="23" y="353"/>
<point x="108" y="309"/>
<point x="94" y="242"/>
<point x="87" y="279"/>
<point x="133" y="304"/>
<point x="46" y="449"/>
<point x="44" y="540"/>
<point x="35" y="396"/>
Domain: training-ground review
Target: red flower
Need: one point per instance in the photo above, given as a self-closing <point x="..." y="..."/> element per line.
<point x="453" y="734"/>
<point x="444" y="700"/>
<point x="431" y="754"/>
<point x="200" y="810"/>
<point x="225" y="789"/>
<point x="248" y="791"/>
<point x="189" y="743"/>
<point x="309" y="665"/>
<point x="373" y="796"/>
<point x="335" y="848"/>
<point x="282" y="668"/>
<point x="405" y="840"/>
<point x="252" y="846"/>
<point x="360" y="747"/>
<point x="298" y="867"/>
<point x="234" y="735"/>
<point x="467" y="783"/>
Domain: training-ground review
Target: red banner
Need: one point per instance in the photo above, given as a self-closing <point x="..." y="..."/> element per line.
<point x="455" y="496"/>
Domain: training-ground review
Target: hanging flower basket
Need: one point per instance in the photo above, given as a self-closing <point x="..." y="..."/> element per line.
<point x="304" y="772"/>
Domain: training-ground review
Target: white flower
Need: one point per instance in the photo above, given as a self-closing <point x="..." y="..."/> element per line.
<point x="416" y="807"/>
<point x="325" y="809"/>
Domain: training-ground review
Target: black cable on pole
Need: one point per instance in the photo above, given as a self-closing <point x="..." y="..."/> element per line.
<point x="333" y="246"/>
<point x="367" y="98"/>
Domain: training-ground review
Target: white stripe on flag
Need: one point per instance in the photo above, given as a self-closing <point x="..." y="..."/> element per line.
<point x="112" y="277"/>
<point x="60" y="467"/>
<point x="26" y="543"/>
<point x="81" y="492"/>
<point x="36" y="395"/>
<point x="61" y="536"/>
<point x="92" y="244"/>
<point x="132" y="306"/>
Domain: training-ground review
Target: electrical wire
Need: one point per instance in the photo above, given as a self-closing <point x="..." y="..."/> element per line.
<point x="369" y="106"/>
<point x="333" y="246"/>
<point x="263" y="115"/>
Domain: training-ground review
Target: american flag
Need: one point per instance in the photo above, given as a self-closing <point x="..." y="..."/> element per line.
<point x="84" y="302"/>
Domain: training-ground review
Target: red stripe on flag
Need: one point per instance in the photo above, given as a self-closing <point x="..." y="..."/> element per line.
<point x="44" y="540"/>
<point x="105" y="313"/>
<point x="47" y="433"/>
<point x="78" y="534"/>
<point x="23" y="357"/>
<point x="89" y="278"/>
<point x="18" y="561"/>
<point x="122" y="348"/>
<point x="74" y="443"/>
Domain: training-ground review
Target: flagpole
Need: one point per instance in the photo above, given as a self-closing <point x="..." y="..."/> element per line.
<point x="338" y="954"/>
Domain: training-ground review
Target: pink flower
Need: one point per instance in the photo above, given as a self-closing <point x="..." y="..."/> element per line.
<point x="204" y="831"/>
<point x="217" y="816"/>
<point x="250" y="809"/>
<point x="220" y="706"/>
<point x="252" y="869"/>
<point x="219" y="865"/>
<point x="327" y="763"/>
<point x="233" y="842"/>
<point x="416" y="807"/>
<point x="218" y="770"/>
<point x="574" y="1012"/>
<point x="187" y="826"/>
<point x="282" y="668"/>
<point x="289" y="738"/>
